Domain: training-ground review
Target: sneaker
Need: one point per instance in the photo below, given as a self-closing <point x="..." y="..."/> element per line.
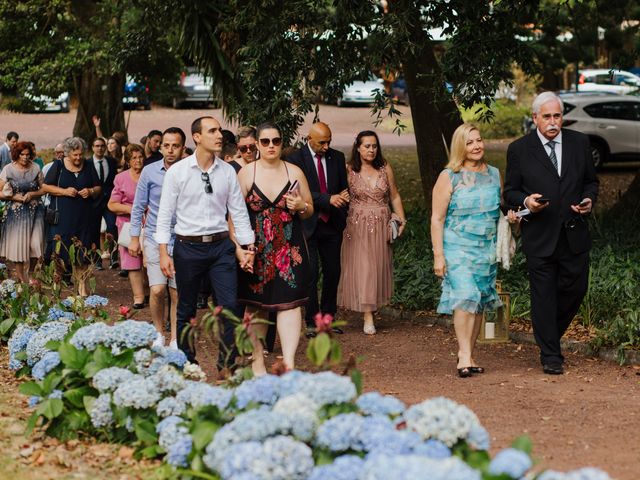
<point x="159" y="341"/>
<point x="173" y="345"/>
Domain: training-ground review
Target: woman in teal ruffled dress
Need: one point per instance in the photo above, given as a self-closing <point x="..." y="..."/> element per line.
<point x="464" y="224"/>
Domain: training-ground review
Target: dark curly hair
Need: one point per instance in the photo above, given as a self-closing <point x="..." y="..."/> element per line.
<point x="20" y="146"/>
<point x="356" y="161"/>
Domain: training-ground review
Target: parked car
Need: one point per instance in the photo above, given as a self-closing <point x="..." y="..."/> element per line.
<point x="44" y="103"/>
<point x="612" y="123"/>
<point x="196" y="90"/>
<point x="605" y="80"/>
<point x="136" y="95"/>
<point x="360" y="93"/>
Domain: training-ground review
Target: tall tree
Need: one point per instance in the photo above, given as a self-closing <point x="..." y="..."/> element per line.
<point x="86" y="45"/>
<point x="271" y="59"/>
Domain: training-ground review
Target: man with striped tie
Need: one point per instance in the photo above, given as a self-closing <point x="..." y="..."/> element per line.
<point x="550" y="171"/>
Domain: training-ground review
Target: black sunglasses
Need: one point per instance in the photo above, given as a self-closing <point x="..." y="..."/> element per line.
<point x="251" y="148"/>
<point x="266" y="141"/>
<point x="207" y="184"/>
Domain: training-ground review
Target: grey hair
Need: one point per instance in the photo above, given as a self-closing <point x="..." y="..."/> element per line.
<point x="70" y="144"/>
<point x="543" y="98"/>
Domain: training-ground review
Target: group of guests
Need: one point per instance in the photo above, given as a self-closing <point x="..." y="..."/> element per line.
<point x="261" y="225"/>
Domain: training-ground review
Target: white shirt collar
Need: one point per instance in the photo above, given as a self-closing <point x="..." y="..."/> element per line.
<point x="193" y="162"/>
<point x="545" y="140"/>
<point x="313" y="154"/>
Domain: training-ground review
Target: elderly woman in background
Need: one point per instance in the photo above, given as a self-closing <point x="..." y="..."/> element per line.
<point x="120" y="203"/>
<point x="464" y="224"/>
<point x="366" y="279"/>
<point x="22" y="230"/>
<point x="73" y="185"/>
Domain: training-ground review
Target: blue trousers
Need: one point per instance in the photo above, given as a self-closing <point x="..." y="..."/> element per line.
<point x="216" y="260"/>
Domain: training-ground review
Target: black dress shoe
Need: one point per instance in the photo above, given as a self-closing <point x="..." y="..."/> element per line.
<point x="123" y="273"/>
<point x="465" y="372"/>
<point x="337" y="330"/>
<point x="114" y="265"/>
<point x="138" y="306"/>
<point x="553" y="369"/>
<point x="476" y="369"/>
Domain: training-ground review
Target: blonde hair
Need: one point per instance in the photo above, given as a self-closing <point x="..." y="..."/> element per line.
<point x="458" y="150"/>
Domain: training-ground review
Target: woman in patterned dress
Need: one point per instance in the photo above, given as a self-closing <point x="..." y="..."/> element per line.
<point x="22" y="232"/>
<point x="278" y="198"/>
<point x="464" y="224"/>
<point x="366" y="279"/>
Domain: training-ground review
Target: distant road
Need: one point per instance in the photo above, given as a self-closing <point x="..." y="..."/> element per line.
<point x="47" y="129"/>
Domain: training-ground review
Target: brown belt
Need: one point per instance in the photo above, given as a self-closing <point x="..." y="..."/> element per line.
<point x="214" y="237"/>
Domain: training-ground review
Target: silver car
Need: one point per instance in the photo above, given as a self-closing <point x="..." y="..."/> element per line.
<point x="612" y="123"/>
<point x="196" y="90"/>
<point x="360" y="93"/>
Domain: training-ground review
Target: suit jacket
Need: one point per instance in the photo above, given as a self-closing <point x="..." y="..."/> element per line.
<point x="5" y="155"/>
<point x="100" y="203"/>
<point x="529" y="170"/>
<point x="336" y="176"/>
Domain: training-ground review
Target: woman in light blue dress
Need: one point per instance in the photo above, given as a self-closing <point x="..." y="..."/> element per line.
<point x="464" y="224"/>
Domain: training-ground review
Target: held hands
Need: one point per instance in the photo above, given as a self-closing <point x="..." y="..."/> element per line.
<point x="439" y="265"/>
<point x="584" y="207"/>
<point x="341" y="199"/>
<point x="512" y="217"/>
<point x="84" y="193"/>
<point x="70" y="192"/>
<point x="246" y="258"/>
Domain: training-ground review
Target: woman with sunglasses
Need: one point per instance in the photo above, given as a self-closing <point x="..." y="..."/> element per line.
<point x="278" y="198"/>
<point x="247" y="148"/>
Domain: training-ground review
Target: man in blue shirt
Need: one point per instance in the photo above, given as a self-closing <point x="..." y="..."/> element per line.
<point x="147" y="200"/>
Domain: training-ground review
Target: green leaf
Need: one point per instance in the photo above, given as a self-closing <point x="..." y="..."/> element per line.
<point x="102" y="356"/>
<point x="91" y="368"/>
<point x="356" y="378"/>
<point x="31" y="423"/>
<point x="51" y="381"/>
<point x="124" y="359"/>
<point x="31" y="388"/>
<point x="151" y="452"/>
<point x="203" y="433"/>
<point x="523" y="442"/>
<point x="21" y="355"/>
<point x="322" y="346"/>
<point x="145" y="431"/>
<point x="336" y="352"/>
<point x="311" y="353"/>
<point x="70" y="356"/>
<point x="87" y="401"/>
<point x="76" y="396"/>
<point x="6" y="325"/>
<point x="50" y="408"/>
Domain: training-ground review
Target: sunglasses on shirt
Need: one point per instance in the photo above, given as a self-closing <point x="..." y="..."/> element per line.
<point x="207" y="183"/>
<point x="251" y="148"/>
<point x="266" y="141"/>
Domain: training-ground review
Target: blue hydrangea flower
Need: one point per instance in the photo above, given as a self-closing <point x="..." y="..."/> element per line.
<point x="49" y="361"/>
<point x="170" y="431"/>
<point x="34" y="400"/>
<point x="384" y="467"/>
<point x="90" y="336"/>
<point x="378" y="434"/>
<point x="325" y="387"/>
<point x="101" y="413"/>
<point x="56" y="314"/>
<point x="45" y="333"/>
<point x="56" y="394"/>
<point x="7" y="287"/>
<point x="441" y="419"/>
<point x="346" y="467"/>
<point x="277" y="458"/>
<point x="198" y="394"/>
<point x="108" y="379"/>
<point x="168" y="379"/>
<point x="143" y="357"/>
<point x="478" y="438"/>
<point x="138" y="392"/>
<point x="67" y="302"/>
<point x="262" y="390"/>
<point x="341" y="433"/>
<point x="510" y="461"/>
<point x="17" y="343"/>
<point x="132" y="334"/>
<point x="374" y="403"/>
<point x="170" y="406"/>
<point x="301" y="413"/>
<point x="432" y="449"/>
<point x="175" y="357"/>
<point x="179" y="451"/>
<point x="94" y="301"/>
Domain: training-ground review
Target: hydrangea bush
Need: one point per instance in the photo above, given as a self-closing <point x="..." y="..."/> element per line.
<point x="107" y="381"/>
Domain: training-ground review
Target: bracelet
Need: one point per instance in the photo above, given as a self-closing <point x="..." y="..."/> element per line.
<point x="304" y="210"/>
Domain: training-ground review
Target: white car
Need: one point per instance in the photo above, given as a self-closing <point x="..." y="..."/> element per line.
<point x="360" y="93"/>
<point x="612" y="123"/>
<point x="44" y="103"/>
<point x="196" y="90"/>
<point x="606" y="80"/>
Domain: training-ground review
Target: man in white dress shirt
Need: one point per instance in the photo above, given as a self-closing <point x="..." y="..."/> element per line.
<point x="5" y="149"/>
<point x="199" y="191"/>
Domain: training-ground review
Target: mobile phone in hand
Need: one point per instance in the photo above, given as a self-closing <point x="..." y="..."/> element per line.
<point x="293" y="187"/>
<point x="542" y="200"/>
<point x="583" y="203"/>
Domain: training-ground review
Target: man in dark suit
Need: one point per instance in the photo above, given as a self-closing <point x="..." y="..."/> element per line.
<point x="550" y="171"/>
<point x="326" y="174"/>
<point x="106" y="168"/>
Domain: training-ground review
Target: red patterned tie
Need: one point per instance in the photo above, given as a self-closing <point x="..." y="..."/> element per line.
<point x="324" y="216"/>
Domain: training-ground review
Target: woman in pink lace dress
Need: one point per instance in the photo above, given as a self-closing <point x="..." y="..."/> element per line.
<point x="366" y="282"/>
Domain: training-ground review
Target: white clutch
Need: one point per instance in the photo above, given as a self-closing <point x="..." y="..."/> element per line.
<point x="124" y="237"/>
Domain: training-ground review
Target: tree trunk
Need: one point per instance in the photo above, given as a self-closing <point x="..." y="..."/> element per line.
<point x="434" y="113"/>
<point x="99" y="95"/>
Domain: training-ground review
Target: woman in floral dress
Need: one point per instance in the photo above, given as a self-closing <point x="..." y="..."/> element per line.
<point x="22" y="231"/>
<point x="278" y="198"/>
